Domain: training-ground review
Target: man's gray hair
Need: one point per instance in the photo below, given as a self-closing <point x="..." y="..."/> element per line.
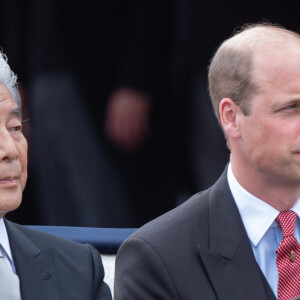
<point x="9" y="78"/>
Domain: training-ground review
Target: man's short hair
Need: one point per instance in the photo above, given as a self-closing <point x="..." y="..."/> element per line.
<point x="9" y="78"/>
<point x="231" y="69"/>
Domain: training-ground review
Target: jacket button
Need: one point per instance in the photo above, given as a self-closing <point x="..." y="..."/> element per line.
<point x="46" y="275"/>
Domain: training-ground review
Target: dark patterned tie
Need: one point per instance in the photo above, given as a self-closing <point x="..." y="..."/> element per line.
<point x="288" y="257"/>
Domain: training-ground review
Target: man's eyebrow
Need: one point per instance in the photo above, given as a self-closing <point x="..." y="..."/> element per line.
<point x="16" y="112"/>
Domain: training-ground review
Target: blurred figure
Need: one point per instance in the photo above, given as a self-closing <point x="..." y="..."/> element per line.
<point x="128" y="119"/>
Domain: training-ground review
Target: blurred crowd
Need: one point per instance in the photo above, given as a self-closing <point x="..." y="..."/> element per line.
<point x="115" y="102"/>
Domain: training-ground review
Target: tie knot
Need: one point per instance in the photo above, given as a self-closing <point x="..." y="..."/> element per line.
<point x="287" y="222"/>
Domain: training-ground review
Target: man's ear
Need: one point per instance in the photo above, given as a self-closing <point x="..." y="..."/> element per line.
<point x="229" y="112"/>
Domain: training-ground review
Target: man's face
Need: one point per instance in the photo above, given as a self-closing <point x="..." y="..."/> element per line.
<point x="270" y="135"/>
<point x="13" y="153"/>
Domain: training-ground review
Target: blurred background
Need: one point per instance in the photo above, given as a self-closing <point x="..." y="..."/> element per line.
<point x="115" y="102"/>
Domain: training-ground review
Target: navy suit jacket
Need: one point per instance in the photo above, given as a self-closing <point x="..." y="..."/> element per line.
<point x="52" y="268"/>
<point x="199" y="250"/>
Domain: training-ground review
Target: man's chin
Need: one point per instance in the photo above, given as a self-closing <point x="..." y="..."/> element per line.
<point x="9" y="205"/>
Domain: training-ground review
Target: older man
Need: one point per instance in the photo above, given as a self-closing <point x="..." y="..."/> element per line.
<point x="238" y="239"/>
<point x="35" y="265"/>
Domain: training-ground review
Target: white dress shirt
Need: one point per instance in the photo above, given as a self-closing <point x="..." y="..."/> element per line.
<point x="262" y="229"/>
<point x="5" y="247"/>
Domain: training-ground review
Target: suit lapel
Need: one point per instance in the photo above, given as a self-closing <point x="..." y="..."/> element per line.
<point x="229" y="260"/>
<point x="35" y="267"/>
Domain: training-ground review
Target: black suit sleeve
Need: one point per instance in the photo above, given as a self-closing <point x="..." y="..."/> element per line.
<point x="141" y="273"/>
<point x="102" y="291"/>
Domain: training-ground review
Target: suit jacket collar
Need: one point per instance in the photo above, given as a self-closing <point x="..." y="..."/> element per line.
<point x="229" y="259"/>
<point x="35" y="267"/>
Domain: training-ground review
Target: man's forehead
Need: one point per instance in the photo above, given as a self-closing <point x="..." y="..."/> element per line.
<point x="274" y="60"/>
<point x="16" y="112"/>
<point x="9" y="108"/>
<point x="6" y="94"/>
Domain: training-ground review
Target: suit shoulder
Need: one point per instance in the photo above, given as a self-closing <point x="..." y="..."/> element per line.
<point x="45" y="240"/>
<point x="76" y="265"/>
<point x="148" y="256"/>
<point x="184" y="222"/>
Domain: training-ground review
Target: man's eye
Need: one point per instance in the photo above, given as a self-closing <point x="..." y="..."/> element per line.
<point x="291" y="107"/>
<point x="16" y="128"/>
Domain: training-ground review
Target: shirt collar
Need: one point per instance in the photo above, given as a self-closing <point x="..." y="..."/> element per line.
<point x="256" y="214"/>
<point x="4" y="240"/>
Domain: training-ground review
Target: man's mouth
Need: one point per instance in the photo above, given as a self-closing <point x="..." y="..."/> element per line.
<point x="9" y="179"/>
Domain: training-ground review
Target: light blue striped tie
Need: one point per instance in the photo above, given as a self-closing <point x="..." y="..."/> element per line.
<point x="9" y="281"/>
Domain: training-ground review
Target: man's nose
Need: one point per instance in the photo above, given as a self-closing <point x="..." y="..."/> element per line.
<point x="8" y="148"/>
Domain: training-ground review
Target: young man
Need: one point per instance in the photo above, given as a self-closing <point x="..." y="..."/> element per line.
<point x="238" y="239"/>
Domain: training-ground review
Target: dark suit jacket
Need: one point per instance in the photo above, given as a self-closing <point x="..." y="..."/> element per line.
<point x="199" y="250"/>
<point x="56" y="269"/>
